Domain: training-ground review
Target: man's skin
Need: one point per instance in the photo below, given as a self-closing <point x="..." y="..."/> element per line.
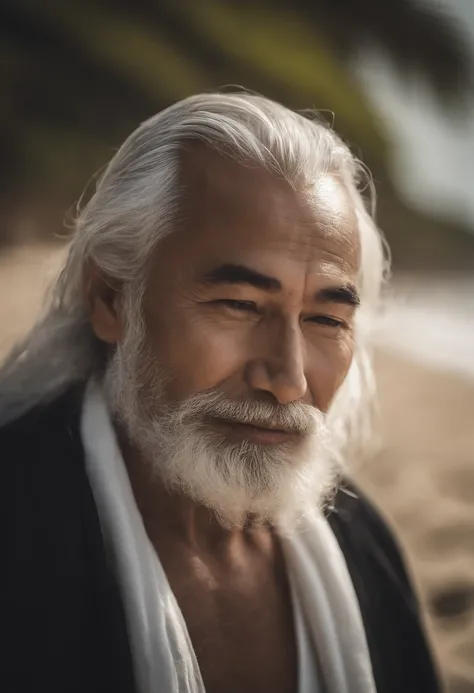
<point x="281" y="331"/>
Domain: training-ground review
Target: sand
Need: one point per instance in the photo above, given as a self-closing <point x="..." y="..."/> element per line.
<point x="423" y="480"/>
<point x="422" y="476"/>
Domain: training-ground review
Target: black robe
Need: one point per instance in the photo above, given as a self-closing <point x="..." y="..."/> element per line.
<point x="62" y="625"/>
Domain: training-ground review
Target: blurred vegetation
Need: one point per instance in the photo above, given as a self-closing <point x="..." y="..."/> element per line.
<point x="78" y="75"/>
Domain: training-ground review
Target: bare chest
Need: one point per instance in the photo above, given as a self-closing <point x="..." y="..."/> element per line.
<point x="240" y="625"/>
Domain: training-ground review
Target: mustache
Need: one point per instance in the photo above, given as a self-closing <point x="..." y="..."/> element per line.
<point x="295" y="417"/>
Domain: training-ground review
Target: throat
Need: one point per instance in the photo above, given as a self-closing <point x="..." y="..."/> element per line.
<point x="231" y="587"/>
<point x="236" y="603"/>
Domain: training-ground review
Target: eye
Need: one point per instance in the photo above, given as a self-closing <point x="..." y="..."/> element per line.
<point x="326" y="321"/>
<point x="238" y="306"/>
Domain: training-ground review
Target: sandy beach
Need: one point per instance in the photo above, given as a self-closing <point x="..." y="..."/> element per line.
<point x="422" y="475"/>
<point x="422" y="478"/>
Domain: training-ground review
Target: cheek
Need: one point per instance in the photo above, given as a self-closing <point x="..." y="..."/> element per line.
<point x="328" y="366"/>
<point x="196" y="352"/>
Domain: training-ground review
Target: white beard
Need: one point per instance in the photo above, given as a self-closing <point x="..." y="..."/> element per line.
<point x="279" y="484"/>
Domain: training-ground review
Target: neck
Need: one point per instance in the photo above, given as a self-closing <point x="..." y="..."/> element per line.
<point x="175" y="515"/>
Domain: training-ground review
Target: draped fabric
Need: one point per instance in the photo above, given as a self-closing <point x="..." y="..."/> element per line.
<point x="62" y="620"/>
<point x="161" y="647"/>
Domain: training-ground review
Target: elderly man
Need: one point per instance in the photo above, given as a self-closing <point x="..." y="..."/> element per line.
<point x="175" y="429"/>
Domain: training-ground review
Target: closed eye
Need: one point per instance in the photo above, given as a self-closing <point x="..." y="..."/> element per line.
<point x="325" y="320"/>
<point x="239" y="306"/>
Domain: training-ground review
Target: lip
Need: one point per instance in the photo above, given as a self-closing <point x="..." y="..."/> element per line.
<point x="256" y="434"/>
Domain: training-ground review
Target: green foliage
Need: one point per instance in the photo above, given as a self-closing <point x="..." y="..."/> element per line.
<point x="78" y="75"/>
<point x="282" y="49"/>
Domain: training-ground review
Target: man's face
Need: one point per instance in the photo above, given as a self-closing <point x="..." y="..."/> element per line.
<point x="256" y="294"/>
<point x="249" y="314"/>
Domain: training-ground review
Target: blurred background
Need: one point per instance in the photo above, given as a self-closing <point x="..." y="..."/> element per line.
<point x="396" y="80"/>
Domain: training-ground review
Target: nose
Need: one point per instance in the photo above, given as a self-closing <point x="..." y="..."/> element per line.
<point x="281" y="372"/>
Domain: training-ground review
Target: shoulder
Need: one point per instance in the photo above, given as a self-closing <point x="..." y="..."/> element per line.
<point x="50" y="423"/>
<point x="42" y="471"/>
<point x="48" y="517"/>
<point x="60" y="609"/>
<point x="360" y="527"/>
<point x="399" y="648"/>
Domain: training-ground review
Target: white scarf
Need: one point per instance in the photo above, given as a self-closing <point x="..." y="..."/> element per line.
<point x="163" y="657"/>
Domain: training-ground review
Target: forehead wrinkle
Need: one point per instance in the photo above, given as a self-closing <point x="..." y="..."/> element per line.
<point x="328" y="251"/>
<point x="239" y="208"/>
<point x="332" y="221"/>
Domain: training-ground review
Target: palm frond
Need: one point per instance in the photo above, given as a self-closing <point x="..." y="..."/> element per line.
<point x="417" y="36"/>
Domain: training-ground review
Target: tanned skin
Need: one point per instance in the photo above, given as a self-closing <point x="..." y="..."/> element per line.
<point x="255" y="294"/>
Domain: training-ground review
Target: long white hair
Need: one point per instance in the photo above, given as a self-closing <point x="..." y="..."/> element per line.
<point x="135" y="205"/>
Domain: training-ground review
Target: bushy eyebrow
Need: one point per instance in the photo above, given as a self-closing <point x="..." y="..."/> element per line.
<point x="346" y="294"/>
<point x="240" y="274"/>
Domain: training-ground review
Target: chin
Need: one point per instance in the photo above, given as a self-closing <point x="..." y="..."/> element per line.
<point x="248" y="481"/>
<point x="238" y="474"/>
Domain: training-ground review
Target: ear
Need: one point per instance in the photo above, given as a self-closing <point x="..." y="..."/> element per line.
<point x="104" y="300"/>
